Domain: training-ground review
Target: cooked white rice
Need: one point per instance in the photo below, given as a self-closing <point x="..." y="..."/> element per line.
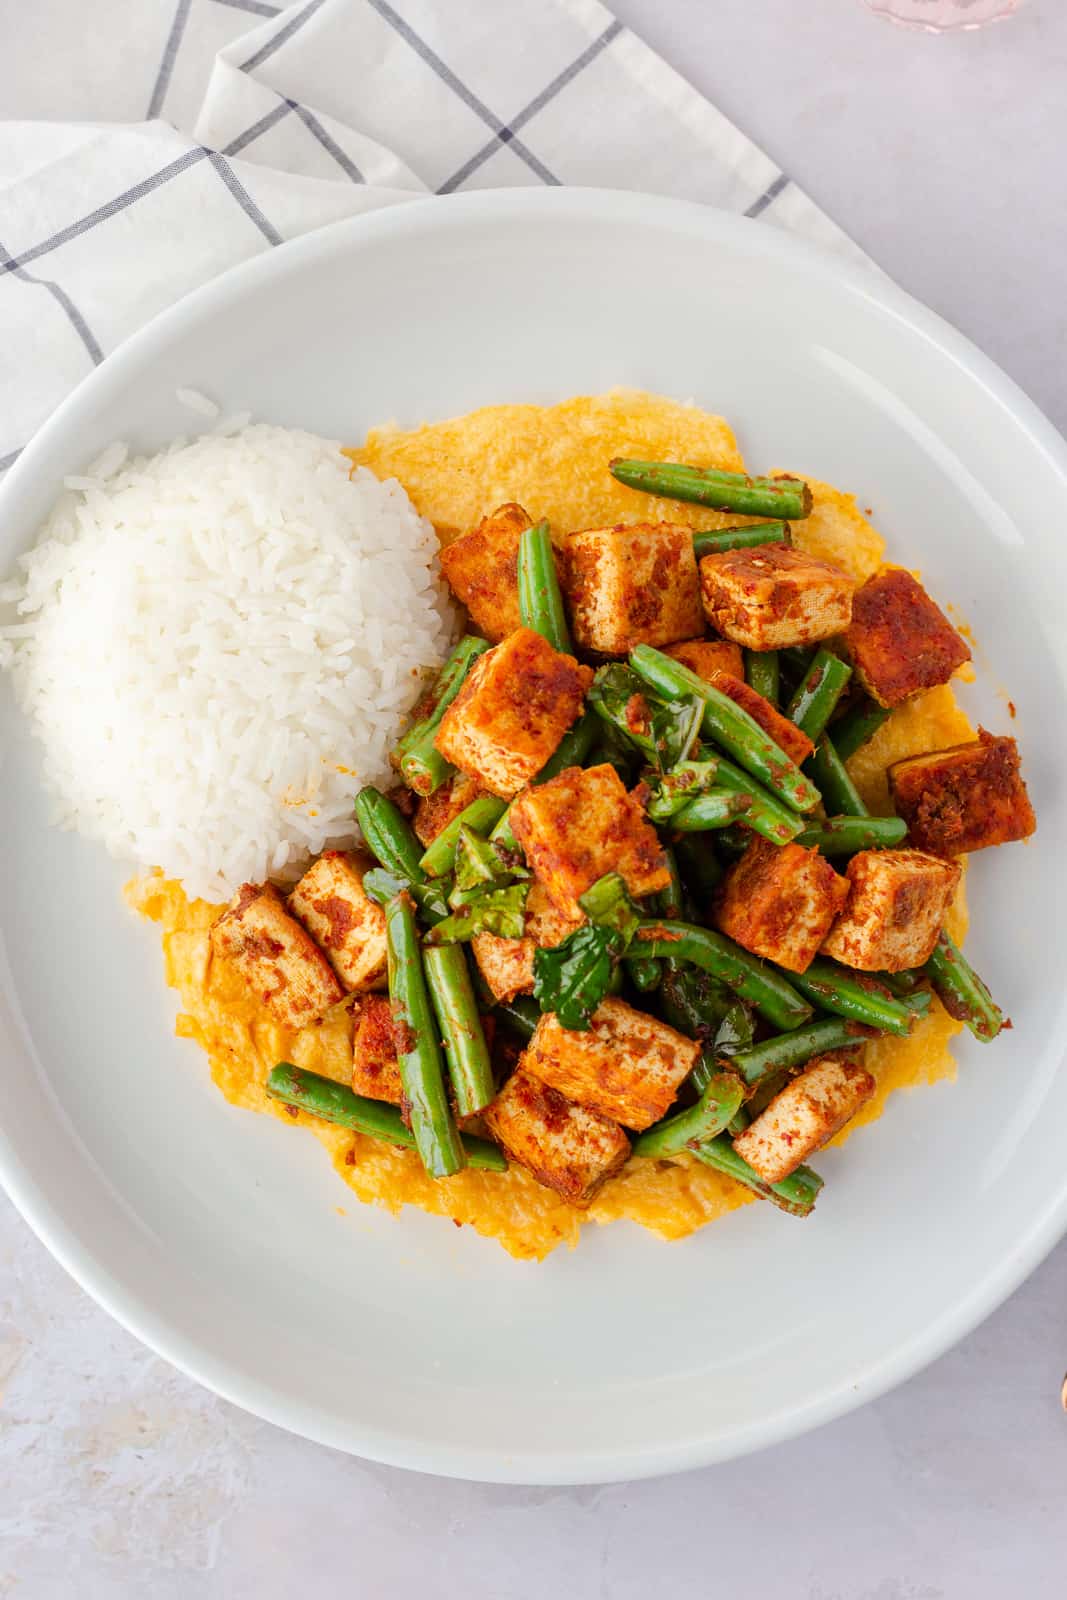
<point x="216" y="646"/>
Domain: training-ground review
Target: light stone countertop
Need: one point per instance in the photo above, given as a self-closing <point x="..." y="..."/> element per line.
<point x="119" y="1477"/>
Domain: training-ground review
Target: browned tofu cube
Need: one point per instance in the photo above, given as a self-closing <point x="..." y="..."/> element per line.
<point x="804" y="1116"/>
<point x="564" y="1146"/>
<point x="632" y="584"/>
<point x="771" y="596"/>
<point x="346" y="923"/>
<point x="966" y="798"/>
<point x="786" y="735"/>
<point x="899" y="640"/>
<point x="375" y="1069"/>
<point x="507" y="965"/>
<point x="482" y="571"/>
<point x="896" y="904"/>
<point x="518" y="701"/>
<point x="780" y="903"/>
<point x="581" y="825"/>
<point x="435" y="811"/>
<point x="628" y="1065"/>
<point x="279" y="962"/>
<point x="705" y="656"/>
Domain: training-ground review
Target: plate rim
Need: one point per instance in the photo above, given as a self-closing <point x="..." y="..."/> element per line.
<point x="80" y="1259"/>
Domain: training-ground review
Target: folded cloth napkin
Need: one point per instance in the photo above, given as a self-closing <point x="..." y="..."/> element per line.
<point x="211" y="130"/>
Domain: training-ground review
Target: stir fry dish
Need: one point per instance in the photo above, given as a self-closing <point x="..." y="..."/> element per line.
<point x="668" y="889"/>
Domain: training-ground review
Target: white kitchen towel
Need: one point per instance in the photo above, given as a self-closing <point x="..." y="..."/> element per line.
<point x="208" y="131"/>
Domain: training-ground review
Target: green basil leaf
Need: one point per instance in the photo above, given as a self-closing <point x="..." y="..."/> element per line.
<point x="670" y="791"/>
<point x="665" y="731"/>
<point x="573" y="979"/>
<point x="501" y="911"/>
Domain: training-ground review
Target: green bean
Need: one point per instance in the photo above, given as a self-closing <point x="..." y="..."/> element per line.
<point x="479" y="816"/>
<point x="843" y="836"/>
<point x="646" y="974"/>
<point x="765" y="815"/>
<point x="389" y="835"/>
<point x="763" y="674"/>
<point x="466" y="1052"/>
<point x="701" y="873"/>
<point x="852" y="731"/>
<point x="792" y="1049"/>
<point x="717" y="808"/>
<point x="745" y="974"/>
<point x="719" y="1102"/>
<point x="726" y="491"/>
<point x="734" y="841"/>
<point x="521" y="1015"/>
<point x="817" y="694"/>
<point x="853" y="994"/>
<point x="540" y="600"/>
<point x="335" y="1102"/>
<point x="961" y="991"/>
<point x="423" y="766"/>
<point x="421" y="1067"/>
<point x="902" y="983"/>
<point x="715" y="540"/>
<point x="729" y="726"/>
<point x="795" y="1194"/>
<point x="828" y="773"/>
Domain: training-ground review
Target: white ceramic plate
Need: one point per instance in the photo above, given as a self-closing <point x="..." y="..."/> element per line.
<point x="215" y="1235"/>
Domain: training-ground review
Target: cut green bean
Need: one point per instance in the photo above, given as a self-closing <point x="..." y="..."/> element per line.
<point x="961" y="991"/>
<point x="466" y="1052"/>
<point x="718" y="1104"/>
<point x="796" y="1194"/>
<point x="762" y="673"/>
<point x="792" y="1049"/>
<point x="817" y="694"/>
<point x="845" y="993"/>
<point x="830" y="776"/>
<point x="420" y="1064"/>
<point x="765" y="815"/>
<point x="715" y="540"/>
<point x="479" y="816"/>
<point x="730" y="727"/>
<point x="422" y="765"/>
<point x="903" y="983"/>
<point x="540" y="600"/>
<point x="852" y="731"/>
<point x="715" y="809"/>
<point x="335" y="1102"/>
<point x="700" y="871"/>
<point x="645" y="974"/>
<point x="843" y="836"/>
<point x="775" y="999"/>
<point x="788" y="498"/>
<point x="389" y="835"/>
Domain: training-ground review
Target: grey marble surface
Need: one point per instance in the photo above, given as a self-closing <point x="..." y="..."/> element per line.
<point x="945" y="160"/>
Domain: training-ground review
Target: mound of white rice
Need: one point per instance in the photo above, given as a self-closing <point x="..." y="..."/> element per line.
<point x="216" y="646"/>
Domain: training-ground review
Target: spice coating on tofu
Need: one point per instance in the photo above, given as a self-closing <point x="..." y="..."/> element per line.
<point x="705" y="656"/>
<point x="329" y="902"/>
<point x="564" y="1146"/>
<point x="278" y="961"/>
<point x="770" y="597"/>
<point x="482" y="570"/>
<point x="899" y="640"/>
<point x="780" y="902"/>
<point x="786" y="735"/>
<point x="635" y="583"/>
<point x="518" y="701"/>
<point x="627" y="1066"/>
<point x="804" y="1116"/>
<point x="435" y="811"/>
<point x="375" y="1069"/>
<point x="580" y="826"/>
<point x="897" y="902"/>
<point x="968" y="797"/>
<point x="507" y="965"/>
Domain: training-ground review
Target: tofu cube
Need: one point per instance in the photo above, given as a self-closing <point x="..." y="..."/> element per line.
<point x="346" y="923"/>
<point x="280" y="963"/>
<point x="780" y="903"/>
<point x="772" y="596"/>
<point x="518" y="701"/>
<point x="583" y="824"/>
<point x="786" y="735"/>
<point x="804" y="1116"/>
<point x="507" y="965"/>
<point x="899" y="640"/>
<point x="705" y="656"/>
<point x="375" y="1069"/>
<point x="628" y="1065"/>
<point x="482" y="568"/>
<point x="563" y="1146"/>
<point x="966" y="798"/>
<point x="435" y="811"/>
<point x="632" y="584"/>
<point x="896" y="904"/>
